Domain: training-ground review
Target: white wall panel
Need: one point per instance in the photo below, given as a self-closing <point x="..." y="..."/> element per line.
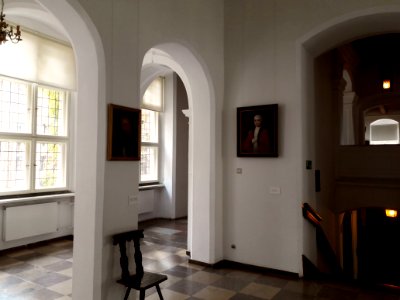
<point x="29" y="220"/>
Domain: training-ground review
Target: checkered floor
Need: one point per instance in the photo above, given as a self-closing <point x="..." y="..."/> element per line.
<point x="164" y="251"/>
<point x="43" y="271"/>
<point x="40" y="271"/>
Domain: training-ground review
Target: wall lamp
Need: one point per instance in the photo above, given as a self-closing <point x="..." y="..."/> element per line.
<point x="391" y="213"/>
<point x="386" y="84"/>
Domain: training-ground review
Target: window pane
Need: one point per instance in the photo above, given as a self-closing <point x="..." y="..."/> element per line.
<point x="148" y="164"/>
<point x="50" y="112"/>
<point x="149" y="126"/>
<point x="384" y="131"/>
<point x="14" y="165"/>
<point x="50" y="171"/>
<point x="153" y="96"/>
<point x="14" y="107"/>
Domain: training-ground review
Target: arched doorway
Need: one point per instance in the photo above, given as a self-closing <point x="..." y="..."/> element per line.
<point x="324" y="38"/>
<point x="90" y="160"/>
<point x="204" y="227"/>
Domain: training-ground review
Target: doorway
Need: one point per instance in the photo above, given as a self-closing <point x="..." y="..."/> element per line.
<point x="204" y="223"/>
<point x="351" y="176"/>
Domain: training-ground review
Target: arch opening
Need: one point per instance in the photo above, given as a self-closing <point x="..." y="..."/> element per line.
<point x="89" y="161"/>
<point x="384" y="131"/>
<point x="201" y="112"/>
<point x="349" y="170"/>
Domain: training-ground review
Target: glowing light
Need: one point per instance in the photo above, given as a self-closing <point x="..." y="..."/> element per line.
<point x="386" y="84"/>
<point x="391" y="213"/>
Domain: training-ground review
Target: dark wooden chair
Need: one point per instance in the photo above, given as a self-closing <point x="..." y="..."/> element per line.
<point x="140" y="281"/>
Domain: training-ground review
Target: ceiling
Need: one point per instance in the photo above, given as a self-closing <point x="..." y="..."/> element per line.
<point x="369" y="60"/>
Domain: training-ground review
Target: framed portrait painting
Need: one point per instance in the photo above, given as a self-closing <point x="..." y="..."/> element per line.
<point x="123" y="133"/>
<point x="257" y="131"/>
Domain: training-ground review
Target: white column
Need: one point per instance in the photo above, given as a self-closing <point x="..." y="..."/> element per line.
<point x="347" y="134"/>
<point x="187" y="114"/>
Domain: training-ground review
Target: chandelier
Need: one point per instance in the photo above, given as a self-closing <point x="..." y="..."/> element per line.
<point x="7" y="32"/>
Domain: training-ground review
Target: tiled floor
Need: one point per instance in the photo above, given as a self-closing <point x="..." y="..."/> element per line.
<point x="44" y="271"/>
<point x="40" y="271"/>
<point x="165" y="244"/>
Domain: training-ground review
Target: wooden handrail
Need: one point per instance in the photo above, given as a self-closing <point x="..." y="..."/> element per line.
<point x="311" y="215"/>
<point x="324" y="247"/>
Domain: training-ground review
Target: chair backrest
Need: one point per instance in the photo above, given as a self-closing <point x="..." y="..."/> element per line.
<point x="121" y="239"/>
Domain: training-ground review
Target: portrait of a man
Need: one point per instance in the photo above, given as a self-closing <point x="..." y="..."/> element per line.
<point x="257" y="131"/>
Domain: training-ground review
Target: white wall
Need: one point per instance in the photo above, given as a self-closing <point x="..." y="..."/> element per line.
<point x="259" y="65"/>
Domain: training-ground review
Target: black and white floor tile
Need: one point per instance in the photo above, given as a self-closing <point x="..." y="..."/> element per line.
<point x="39" y="271"/>
<point x="44" y="271"/>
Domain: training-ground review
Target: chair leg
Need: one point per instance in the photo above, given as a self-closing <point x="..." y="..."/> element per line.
<point x="159" y="292"/>
<point x="142" y="294"/>
<point x="128" y="290"/>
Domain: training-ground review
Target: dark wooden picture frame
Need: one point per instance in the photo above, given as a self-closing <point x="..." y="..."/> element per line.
<point x="262" y="142"/>
<point x="123" y="133"/>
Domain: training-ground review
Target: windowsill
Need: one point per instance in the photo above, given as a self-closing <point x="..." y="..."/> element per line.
<point x="30" y="198"/>
<point x="151" y="187"/>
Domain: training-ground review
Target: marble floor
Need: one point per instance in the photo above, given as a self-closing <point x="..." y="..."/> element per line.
<point x="44" y="271"/>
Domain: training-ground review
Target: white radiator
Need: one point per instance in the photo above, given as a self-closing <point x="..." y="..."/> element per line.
<point x="146" y="201"/>
<point x="29" y="220"/>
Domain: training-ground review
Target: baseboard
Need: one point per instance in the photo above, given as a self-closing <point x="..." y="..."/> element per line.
<point x="69" y="237"/>
<point x="155" y="219"/>
<point x="200" y="263"/>
<point x="227" y="264"/>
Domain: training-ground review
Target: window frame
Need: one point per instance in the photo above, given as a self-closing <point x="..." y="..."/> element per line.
<point x="158" y="144"/>
<point x="155" y="145"/>
<point x="33" y="138"/>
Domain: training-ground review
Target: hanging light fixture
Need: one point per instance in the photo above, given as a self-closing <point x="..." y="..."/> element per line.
<point x="7" y="32"/>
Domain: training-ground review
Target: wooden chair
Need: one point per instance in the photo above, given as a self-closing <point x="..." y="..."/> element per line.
<point x="140" y="281"/>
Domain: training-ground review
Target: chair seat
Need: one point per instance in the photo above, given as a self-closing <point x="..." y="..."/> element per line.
<point x="147" y="280"/>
